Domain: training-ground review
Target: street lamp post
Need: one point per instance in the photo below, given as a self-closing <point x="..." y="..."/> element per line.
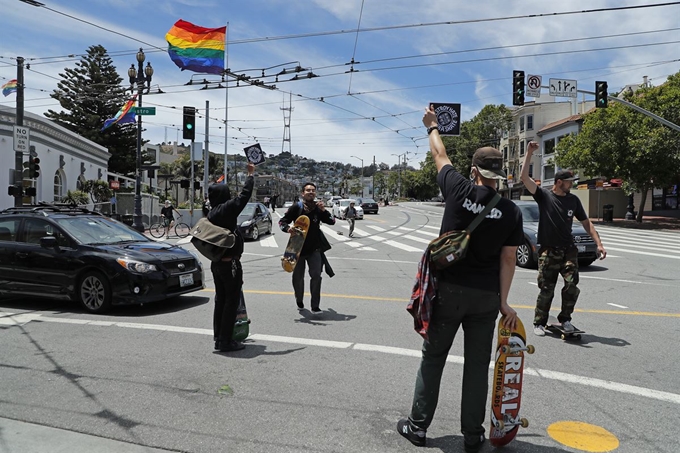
<point x="362" y="174"/>
<point x="142" y="77"/>
<point x="399" y="168"/>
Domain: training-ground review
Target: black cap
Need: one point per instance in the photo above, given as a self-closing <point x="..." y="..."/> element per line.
<point x="565" y="175"/>
<point x="489" y="161"/>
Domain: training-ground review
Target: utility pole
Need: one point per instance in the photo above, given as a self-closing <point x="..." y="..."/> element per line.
<point x="206" y="153"/>
<point x="18" y="155"/>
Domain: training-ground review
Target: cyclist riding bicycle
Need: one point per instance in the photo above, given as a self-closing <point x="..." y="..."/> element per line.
<point x="169" y="218"/>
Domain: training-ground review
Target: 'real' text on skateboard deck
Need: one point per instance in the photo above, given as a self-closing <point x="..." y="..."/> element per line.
<point x="506" y="392"/>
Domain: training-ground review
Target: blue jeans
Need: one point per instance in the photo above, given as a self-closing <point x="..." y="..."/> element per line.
<point x="476" y="310"/>
<point x="315" y="267"/>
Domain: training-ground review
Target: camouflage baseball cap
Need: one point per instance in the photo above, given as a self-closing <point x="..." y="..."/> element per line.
<point x="489" y="162"/>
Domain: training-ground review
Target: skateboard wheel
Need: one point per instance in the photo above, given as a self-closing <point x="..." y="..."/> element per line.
<point x="500" y="424"/>
<point x="531" y="349"/>
<point x="524" y="423"/>
<point x="563" y="336"/>
<point x="505" y="349"/>
<point x="578" y="336"/>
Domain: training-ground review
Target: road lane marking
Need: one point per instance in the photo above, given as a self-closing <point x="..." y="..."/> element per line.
<point x="616" y="305"/>
<point x="537" y="372"/>
<point x="268" y="241"/>
<point x="583" y="436"/>
<point x="638" y="252"/>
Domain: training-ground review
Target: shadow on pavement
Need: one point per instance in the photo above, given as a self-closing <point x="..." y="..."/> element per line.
<point x="451" y="444"/>
<point x="587" y="340"/>
<point x="592" y="268"/>
<point x="253" y="350"/>
<point x="307" y="317"/>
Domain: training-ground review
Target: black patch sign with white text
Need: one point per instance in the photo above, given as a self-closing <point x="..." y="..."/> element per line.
<point x="448" y="118"/>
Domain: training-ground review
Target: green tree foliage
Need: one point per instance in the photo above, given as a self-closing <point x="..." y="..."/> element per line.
<point x="618" y="142"/>
<point x="99" y="191"/>
<point x="76" y="197"/>
<point x="89" y="94"/>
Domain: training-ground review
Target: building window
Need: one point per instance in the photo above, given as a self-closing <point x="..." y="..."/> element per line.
<point x="549" y="146"/>
<point x="521" y="148"/>
<point x="505" y="153"/>
<point x="521" y="124"/>
<point x="531" y="170"/>
<point x="59" y="185"/>
<point x="530" y="122"/>
<point x="549" y="172"/>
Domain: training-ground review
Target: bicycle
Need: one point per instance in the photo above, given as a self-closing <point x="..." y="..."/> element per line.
<point x="181" y="229"/>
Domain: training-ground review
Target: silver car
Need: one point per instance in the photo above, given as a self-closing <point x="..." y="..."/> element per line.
<point x="527" y="253"/>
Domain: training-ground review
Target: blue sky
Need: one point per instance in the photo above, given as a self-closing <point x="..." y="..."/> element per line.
<point x="375" y="111"/>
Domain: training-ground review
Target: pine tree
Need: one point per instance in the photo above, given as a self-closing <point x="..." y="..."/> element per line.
<point x="90" y="94"/>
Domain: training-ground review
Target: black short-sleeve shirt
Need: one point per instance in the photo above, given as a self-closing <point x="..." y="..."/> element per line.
<point x="502" y="227"/>
<point x="556" y="216"/>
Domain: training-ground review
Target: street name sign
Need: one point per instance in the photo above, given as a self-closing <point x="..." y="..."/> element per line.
<point x="533" y="87"/>
<point x="563" y="88"/>
<point x="21" y="138"/>
<point x="145" y="110"/>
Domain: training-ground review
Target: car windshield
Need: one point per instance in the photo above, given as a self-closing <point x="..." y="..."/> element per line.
<point x="99" y="230"/>
<point x="367" y="200"/>
<point x="529" y="213"/>
<point x="344" y="203"/>
<point x="247" y="213"/>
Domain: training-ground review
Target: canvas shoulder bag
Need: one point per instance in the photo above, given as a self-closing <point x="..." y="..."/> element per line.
<point x="450" y="248"/>
<point x="210" y="240"/>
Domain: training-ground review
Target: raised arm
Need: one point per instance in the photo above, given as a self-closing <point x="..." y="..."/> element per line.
<point x="437" y="147"/>
<point x="247" y="192"/>
<point x="528" y="181"/>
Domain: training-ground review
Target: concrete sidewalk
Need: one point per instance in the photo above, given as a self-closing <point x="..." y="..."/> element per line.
<point x="651" y="220"/>
<point x="23" y="437"/>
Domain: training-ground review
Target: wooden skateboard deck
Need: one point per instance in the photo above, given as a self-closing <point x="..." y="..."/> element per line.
<point x="555" y="327"/>
<point x="295" y="243"/>
<point x="242" y="324"/>
<point x="506" y="392"/>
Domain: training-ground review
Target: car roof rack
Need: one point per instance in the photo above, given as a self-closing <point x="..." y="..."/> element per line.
<point x="42" y="207"/>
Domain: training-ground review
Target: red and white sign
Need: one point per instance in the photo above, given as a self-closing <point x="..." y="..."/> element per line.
<point x="115" y="185"/>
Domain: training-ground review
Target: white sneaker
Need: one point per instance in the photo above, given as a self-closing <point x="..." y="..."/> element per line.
<point x="539" y="330"/>
<point x="568" y="327"/>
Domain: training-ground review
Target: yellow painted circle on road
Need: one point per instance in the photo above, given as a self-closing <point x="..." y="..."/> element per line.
<point x="583" y="436"/>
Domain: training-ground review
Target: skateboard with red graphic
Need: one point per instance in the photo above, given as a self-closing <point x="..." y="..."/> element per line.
<point x="506" y="394"/>
<point x="295" y="243"/>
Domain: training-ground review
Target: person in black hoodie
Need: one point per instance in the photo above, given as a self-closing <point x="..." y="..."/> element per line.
<point x="228" y="273"/>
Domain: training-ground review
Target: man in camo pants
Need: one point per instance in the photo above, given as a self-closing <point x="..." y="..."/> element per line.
<point x="558" y="254"/>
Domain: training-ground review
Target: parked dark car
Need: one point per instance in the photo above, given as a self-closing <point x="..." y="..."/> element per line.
<point x="254" y="221"/>
<point x="368" y="205"/>
<point x="63" y="252"/>
<point x="527" y="253"/>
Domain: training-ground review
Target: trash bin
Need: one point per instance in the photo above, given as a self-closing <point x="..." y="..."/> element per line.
<point x="608" y="213"/>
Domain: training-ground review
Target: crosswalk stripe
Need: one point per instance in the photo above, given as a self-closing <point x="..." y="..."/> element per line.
<point x="639" y="241"/>
<point x="395" y="244"/>
<point x="426" y="233"/>
<point x="639" y="238"/>
<point x="376" y="228"/>
<point x="660" y="248"/>
<point x="431" y="227"/>
<point x="670" y="235"/>
<point x="638" y="252"/>
<point x="268" y="241"/>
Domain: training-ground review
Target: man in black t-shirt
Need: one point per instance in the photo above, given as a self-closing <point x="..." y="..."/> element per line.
<point x="470" y="293"/>
<point x="557" y="255"/>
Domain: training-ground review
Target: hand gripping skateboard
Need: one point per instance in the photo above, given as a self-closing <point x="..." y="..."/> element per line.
<point x="295" y="243"/>
<point x="242" y="324"/>
<point x="506" y="392"/>
<point x="555" y="327"/>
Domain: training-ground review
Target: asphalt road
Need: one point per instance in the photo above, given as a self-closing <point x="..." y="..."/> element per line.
<point x="339" y="381"/>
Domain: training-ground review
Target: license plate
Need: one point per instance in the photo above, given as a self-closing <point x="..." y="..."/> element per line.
<point x="581" y="248"/>
<point x="186" y="280"/>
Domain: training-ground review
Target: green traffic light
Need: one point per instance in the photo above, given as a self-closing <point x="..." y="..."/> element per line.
<point x="190" y="126"/>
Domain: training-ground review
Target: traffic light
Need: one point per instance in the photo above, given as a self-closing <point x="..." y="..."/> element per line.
<point x="189" y="123"/>
<point x="33" y="167"/>
<point x="517" y="87"/>
<point x="197" y="185"/>
<point x="31" y="191"/>
<point x="601" y="100"/>
<point x="184" y="183"/>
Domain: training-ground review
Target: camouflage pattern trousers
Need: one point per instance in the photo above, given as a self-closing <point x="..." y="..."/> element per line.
<point x="553" y="262"/>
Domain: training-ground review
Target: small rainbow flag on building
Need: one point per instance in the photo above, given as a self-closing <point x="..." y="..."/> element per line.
<point x="10" y="87"/>
<point x="125" y="115"/>
<point x="195" y="48"/>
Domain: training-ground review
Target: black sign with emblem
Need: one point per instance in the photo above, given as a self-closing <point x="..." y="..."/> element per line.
<point x="448" y="118"/>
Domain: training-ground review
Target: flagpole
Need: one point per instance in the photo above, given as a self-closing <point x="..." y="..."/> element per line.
<point x="226" y="111"/>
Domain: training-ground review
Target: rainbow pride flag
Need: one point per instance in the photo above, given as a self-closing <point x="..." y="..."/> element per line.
<point x="10" y="87"/>
<point x="195" y="48"/>
<point x="124" y="115"/>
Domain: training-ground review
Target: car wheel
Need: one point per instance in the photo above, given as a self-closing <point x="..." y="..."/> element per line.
<point x="524" y="255"/>
<point x="94" y="292"/>
<point x="585" y="263"/>
<point x="256" y="233"/>
<point x="271" y="226"/>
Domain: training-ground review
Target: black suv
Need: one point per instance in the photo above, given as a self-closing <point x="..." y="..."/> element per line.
<point x="65" y="252"/>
